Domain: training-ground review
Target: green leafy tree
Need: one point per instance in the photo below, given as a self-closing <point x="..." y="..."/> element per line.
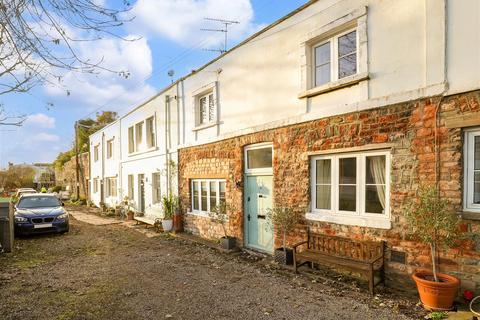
<point x="284" y="220"/>
<point x="432" y="223"/>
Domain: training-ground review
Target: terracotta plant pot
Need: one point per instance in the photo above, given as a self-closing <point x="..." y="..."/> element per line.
<point x="130" y="215"/>
<point x="436" y="296"/>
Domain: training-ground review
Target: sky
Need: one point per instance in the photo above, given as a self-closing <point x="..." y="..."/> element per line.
<point x="168" y="37"/>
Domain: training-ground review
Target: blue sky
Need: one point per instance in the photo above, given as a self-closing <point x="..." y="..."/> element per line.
<point x="171" y="39"/>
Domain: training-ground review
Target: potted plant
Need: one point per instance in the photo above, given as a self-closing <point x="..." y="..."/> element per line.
<point x="170" y="204"/>
<point x="283" y="219"/>
<point x="433" y="224"/>
<point x="219" y="214"/>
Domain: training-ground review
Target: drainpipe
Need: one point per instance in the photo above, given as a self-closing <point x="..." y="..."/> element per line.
<point x="167" y="147"/>
<point x="119" y="182"/>
<point x="103" y="168"/>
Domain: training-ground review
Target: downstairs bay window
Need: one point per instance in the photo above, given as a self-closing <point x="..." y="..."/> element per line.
<point x="351" y="189"/>
<point x="206" y="194"/>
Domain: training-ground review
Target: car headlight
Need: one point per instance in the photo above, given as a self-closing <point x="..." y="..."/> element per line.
<point x="20" y="219"/>
<point x="63" y="216"/>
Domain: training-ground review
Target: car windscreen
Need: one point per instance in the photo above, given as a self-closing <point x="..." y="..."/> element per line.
<point x="39" y="202"/>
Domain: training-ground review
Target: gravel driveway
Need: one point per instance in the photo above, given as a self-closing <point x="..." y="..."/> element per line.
<point x="114" y="272"/>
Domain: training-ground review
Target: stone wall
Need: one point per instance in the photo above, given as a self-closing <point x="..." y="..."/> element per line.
<point x="410" y="129"/>
<point x="66" y="176"/>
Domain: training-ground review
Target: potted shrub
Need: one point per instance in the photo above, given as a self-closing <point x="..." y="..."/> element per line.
<point x="284" y="220"/>
<point x="219" y="214"/>
<point x="433" y="224"/>
<point x="170" y="204"/>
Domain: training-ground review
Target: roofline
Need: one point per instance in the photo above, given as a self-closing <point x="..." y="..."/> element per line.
<point x="258" y="33"/>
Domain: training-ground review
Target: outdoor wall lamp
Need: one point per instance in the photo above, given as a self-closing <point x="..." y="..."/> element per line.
<point x="238" y="184"/>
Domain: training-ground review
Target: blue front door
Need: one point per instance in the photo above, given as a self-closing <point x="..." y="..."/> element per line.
<point x="258" y="199"/>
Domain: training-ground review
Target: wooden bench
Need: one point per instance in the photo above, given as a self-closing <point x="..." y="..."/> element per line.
<point x="365" y="257"/>
<point x="154" y="222"/>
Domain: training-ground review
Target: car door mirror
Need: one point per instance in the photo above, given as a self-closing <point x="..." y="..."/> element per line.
<point x="63" y="204"/>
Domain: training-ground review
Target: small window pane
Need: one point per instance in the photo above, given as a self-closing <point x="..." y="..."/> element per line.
<point x="347" y="44"/>
<point x="324" y="195"/>
<point x="348" y="171"/>
<point x="259" y="158"/>
<point x="476" y="188"/>
<point x="203" y="110"/>
<point x="204" y="195"/>
<point x="213" y="194"/>
<point x="323" y="171"/>
<point x="322" y="54"/>
<point x="195" y="195"/>
<point x="477" y="153"/>
<point x="211" y="108"/>
<point x="374" y="199"/>
<point x="222" y="191"/>
<point x="322" y="74"/>
<point x="347" y="198"/>
<point x="347" y="65"/>
<point x="375" y="167"/>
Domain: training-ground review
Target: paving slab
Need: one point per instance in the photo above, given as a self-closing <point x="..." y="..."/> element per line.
<point x="92" y="219"/>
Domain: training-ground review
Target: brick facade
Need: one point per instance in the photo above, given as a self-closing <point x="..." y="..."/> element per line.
<point x="410" y="129"/>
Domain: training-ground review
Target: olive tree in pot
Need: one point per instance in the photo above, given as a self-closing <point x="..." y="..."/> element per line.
<point x="284" y="220"/>
<point x="219" y="214"/>
<point x="170" y="204"/>
<point x="432" y="223"/>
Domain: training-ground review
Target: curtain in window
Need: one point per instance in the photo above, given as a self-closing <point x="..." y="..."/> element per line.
<point x="377" y="167"/>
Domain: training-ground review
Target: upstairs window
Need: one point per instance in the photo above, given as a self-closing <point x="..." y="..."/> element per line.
<point x="206" y="109"/>
<point x="110" y="149"/>
<point x="472" y="170"/>
<point x="95" y="153"/>
<point x="150" y="126"/>
<point x="335" y="58"/>
<point x="131" y="140"/>
<point x="138" y="136"/>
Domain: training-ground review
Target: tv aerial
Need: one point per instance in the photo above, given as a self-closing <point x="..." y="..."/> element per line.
<point x="225" y="23"/>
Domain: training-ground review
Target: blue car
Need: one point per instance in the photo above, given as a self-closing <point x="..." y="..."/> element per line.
<point x="40" y="213"/>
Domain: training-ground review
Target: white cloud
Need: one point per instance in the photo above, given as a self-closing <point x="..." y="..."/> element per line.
<point x="94" y="90"/>
<point x="181" y="20"/>
<point x="40" y="120"/>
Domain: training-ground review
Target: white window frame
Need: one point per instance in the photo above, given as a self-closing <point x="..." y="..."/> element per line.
<point x="469" y="158"/>
<point x="139" y="143"/>
<point x="95" y="185"/>
<point x="142" y="146"/>
<point x="268" y="170"/>
<point x="156" y="184"/>
<point x="334" y="57"/>
<point x="112" y="189"/>
<point x="205" y="91"/>
<point x="131" y="186"/>
<point x="207" y="181"/>
<point x="110" y="148"/>
<point x="150" y="135"/>
<point x="96" y="152"/>
<point x="360" y="217"/>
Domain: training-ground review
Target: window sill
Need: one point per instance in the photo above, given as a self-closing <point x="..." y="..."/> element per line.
<point x="136" y="153"/>
<point x="199" y="214"/>
<point x="206" y="125"/>
<point x="359" y="221"/>
<point x="332" y="86"/>
<point x="469" y="214"/>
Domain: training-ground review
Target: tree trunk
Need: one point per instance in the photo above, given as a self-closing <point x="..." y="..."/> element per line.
<point x="433" y="251"/>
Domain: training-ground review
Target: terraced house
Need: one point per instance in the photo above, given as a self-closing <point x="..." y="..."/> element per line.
<point x="340" y="110"/>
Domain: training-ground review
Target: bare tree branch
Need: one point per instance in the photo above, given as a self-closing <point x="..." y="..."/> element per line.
<point x="37" y="39"/>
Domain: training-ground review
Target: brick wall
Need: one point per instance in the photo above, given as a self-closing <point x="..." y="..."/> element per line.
<point x="66" y="176"/>
<point x="408" y="127"/>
